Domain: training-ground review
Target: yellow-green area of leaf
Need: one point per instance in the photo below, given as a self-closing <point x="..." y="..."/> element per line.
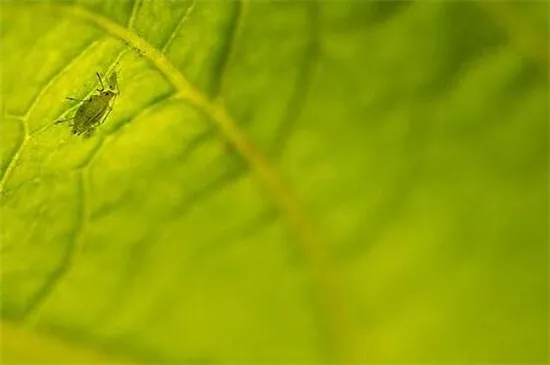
<point x="277" y="182"/>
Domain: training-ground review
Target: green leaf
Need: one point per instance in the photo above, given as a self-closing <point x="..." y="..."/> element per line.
<point x="278" y="182"/>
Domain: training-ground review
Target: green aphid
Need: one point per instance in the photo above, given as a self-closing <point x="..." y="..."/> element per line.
<point x="92" y="112"/>
<point x="112" y="81"/>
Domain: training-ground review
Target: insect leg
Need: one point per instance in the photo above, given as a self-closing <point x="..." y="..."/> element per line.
<point x="89" y="133"/>
<point x="105" y="117"/>
<point x="100" y="81"/>
<point x="63" y="120"/>
<point x="69" y="98"/>
<point x="108" y="112"/>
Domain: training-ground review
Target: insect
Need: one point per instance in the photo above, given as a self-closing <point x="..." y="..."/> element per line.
<point x="95" y="110"/>
<point x="138" y="51"/>
<point x="112" y="81"/>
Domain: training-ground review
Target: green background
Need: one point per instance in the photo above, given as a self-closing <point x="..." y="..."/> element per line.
<point x="279" y="182"/>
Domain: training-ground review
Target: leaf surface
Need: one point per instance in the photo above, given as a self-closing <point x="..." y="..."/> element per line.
<point x="278" y="182"/>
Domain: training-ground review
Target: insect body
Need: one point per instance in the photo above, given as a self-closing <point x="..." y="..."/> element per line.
<point x="92" y="112"/>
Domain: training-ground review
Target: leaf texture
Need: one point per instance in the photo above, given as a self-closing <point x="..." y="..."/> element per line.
<point x="278" y="182"/>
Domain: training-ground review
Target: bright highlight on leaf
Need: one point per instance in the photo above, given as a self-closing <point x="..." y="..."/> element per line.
<point x="278" y="182"/>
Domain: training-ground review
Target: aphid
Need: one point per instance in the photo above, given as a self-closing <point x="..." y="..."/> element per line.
<point x="139" y="52"/>
<point x="112" y="81"/>
<point x="93" y="111"/>
<point x="136" y="49"/>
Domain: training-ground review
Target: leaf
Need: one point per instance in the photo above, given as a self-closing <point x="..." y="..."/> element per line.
<point x="278" y="182"/>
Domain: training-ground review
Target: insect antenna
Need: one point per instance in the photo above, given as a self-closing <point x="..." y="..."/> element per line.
<point x="69" y="98"/>
<point x="100" y="81"/>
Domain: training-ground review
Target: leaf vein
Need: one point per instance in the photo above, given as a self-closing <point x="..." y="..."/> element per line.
<point x="178" y="26"/>
<point x="32" y="310"/>
<point x="16" y="156"/>
<point x="228" y="48"/>
<point x="157" y="102"/>
<point x="135" y="10"/>
<point x="224" y="180"/>
<point x="303" y="82"/>
<point x="58" y="74"/>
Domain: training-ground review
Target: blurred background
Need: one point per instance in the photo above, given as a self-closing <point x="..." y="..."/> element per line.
<point x="278" y="182"/>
